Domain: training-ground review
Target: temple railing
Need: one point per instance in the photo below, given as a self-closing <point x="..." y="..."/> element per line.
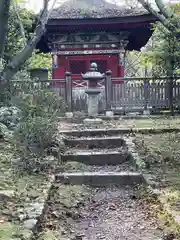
<point x="124" y="94"/>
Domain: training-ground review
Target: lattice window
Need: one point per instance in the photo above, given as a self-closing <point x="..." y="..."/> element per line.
<point x="102" y="65"/>
<point x="78" y="66"/>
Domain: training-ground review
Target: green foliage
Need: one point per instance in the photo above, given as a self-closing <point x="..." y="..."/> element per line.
<point x="36" y="133"/>
<point x="41" y="60"/>
<point x="37" y="129"/>
<point x="8" y="231"/>
<point x="163" y="53"/>
<point x="14" y="40"/>
<point x="40" y="103"/>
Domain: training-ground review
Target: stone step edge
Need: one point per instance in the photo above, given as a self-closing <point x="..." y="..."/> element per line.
<point x="98" y="158"/>
<point x="46" y="192"/>
<point x="122" y="173"/>
<point x="100" y="179"/>
<point x="116" y="131"/>
<point x="88" y="138"/>
<point x="97" y="142"/>
<point x="96" y="152"/>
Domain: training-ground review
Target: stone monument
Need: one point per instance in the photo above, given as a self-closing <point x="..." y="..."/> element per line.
<point x="93" y="76"/>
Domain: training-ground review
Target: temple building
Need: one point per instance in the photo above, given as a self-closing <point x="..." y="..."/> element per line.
<point x="80" y="32"/>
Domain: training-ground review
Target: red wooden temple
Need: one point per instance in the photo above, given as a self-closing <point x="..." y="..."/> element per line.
<point x="80" y="32"/>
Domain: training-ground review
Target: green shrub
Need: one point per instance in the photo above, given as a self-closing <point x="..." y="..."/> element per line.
<point x="35" y="134"/>
<point x="40" y="103"/>
<point x="37" y="129"/>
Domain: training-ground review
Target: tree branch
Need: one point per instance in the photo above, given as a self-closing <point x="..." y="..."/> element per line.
<point x="166" y="12"/>
<point x="22" y="31"/>
<point x="159" y="16"/>
<point x="18" y="60"/>
<point x="4" y="15"/>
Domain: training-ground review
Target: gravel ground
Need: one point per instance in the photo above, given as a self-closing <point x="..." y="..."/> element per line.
<point x="116" y="214"/>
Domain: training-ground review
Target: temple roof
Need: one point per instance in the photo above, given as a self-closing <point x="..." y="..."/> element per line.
<point x="79" y="9"/>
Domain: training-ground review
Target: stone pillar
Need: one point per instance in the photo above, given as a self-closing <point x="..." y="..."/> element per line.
<point x="108" y="92"/>
<point x="68" y="86"/>
<point x="93" y="104"/>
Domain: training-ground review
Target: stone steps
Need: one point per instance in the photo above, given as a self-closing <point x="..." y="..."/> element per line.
<point x="117" y="131"/>
<point x="97" y="156"/>
<point x="105" y="157"/>
<point x="95" y="142"/>
<point x="79" y="167"/>
<point x="101" y="179"/>
<point x="97" y="132"/>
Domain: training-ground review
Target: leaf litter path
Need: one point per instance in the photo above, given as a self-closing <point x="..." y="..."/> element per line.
<point x="78" y="213"/>
<point x="117" y="214"/>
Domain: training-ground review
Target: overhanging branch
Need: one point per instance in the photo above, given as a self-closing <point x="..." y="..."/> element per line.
<point x="166" y="12"/>
<point x="159" y="16"/>
<point x="4" y="15"/>
<point x="18" y="60"/>
<point x="22" y="31"/>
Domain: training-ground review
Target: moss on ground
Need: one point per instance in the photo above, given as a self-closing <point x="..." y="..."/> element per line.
<point x="24" y="188"/>
<point x="161" y="154"/>
<point x="74" y="166"/>
<point x="149" y="123"/>
<point x="63" y="204"/>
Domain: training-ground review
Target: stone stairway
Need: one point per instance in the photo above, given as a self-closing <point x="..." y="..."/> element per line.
<point x="106" y="156"/>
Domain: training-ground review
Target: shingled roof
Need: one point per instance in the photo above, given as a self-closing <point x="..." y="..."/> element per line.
<point x="79" y="9"/>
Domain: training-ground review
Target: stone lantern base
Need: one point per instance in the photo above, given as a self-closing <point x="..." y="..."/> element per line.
<point x="93" y="121"/>
<point x="69" y="114"/>
<point x="93" y="102"/>
<point x="109" y="114"/>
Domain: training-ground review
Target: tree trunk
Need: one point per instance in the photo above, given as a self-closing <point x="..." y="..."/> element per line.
<point x="165" y="21"/>
<point x="22" y="31"/>
<point x="165" y="11"/>
<point x="170" y="74"/>
<point x="4" y="15"/>
<point x="20" y="58"/>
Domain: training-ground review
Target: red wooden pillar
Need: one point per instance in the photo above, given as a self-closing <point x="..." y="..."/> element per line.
<point x="121" y="71"/>
<point x="58" y="67"/>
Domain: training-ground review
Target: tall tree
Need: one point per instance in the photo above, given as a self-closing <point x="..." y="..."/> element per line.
<point x="4" y="16"/>
<point x="163" y="13"/>
<point x="168" y="17"/>
<point x="20" y="58"/>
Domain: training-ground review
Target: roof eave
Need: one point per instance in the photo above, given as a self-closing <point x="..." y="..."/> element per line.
<point x="122" y="19"/>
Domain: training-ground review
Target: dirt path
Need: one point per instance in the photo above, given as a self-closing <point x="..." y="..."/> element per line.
<point x="78" y="213"/>
<point x="117" y="214"/>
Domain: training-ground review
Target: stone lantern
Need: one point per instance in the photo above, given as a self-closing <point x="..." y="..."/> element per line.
<point x="93" y="76"/>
